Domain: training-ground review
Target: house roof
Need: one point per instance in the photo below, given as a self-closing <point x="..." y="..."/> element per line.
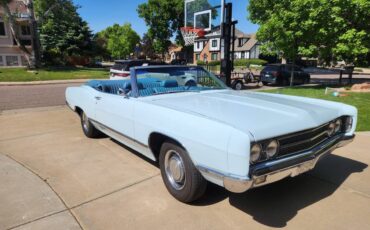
<point x="252" y="41"/>
<point x="216" y="33"/>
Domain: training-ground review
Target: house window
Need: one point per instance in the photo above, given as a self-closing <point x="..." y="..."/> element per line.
<point x="242" y="55"/>
<point x="197" y="57"/>
<point x="12" y="61"/>
<point x="214" y="43"/>
<point x="198" y="45"/>
<point x="242" y="41"/>
<point x="214" y="56"/>
<point x="205" y="57"/>
<point x="1" y="61"/>
<point x="26" y="30"/>
<point x="2" y="29"/>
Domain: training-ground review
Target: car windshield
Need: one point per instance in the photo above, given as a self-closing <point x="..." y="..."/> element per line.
<point x="167" y="80"/>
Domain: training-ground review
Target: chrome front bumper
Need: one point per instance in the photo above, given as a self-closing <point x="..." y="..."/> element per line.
<point x="291" y="166"/>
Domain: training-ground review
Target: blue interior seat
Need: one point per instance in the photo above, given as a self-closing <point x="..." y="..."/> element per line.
<point x="169" y="84"/>
<point x="150" y="82"/>
<point x="146" y="92"/>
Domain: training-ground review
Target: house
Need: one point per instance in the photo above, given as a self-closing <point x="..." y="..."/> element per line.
<point x="180" y="53"/>
<point x="10" y="54"/>
<point x="174" y="52"/>
<point x="208" y="48"/>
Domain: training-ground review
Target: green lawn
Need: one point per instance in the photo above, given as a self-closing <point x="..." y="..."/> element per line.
<point x="22" y="74"/>
<point x="360" y="100"/>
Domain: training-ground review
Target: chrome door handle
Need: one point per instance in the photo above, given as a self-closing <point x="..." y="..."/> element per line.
<point x="97" y="98"/>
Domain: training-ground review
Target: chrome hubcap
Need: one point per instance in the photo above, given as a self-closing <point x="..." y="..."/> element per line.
<point x="238" y="86"/>
<point x="175" y="170"/>
<point x="85" y="122"/>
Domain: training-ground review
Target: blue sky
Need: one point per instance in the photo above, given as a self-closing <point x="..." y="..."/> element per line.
<point x="101" y="14"/>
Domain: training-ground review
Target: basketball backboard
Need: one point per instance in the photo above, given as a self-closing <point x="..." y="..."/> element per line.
<point x="203" y="14"/>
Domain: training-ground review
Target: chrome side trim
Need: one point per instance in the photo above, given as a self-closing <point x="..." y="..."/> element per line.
<point x="304" y="162"/>
<point x="129" y="142"/>
<point x="104" y="127"/>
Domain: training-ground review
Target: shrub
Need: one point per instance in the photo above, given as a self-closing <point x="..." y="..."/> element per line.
<point x="211" y="63"/>
<point x="199" y="62"/>
<point x="247" y="62"/>
<point x="214" y="63"/>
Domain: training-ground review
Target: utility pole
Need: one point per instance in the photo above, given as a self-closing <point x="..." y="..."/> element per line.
<point x="228" y="38"/>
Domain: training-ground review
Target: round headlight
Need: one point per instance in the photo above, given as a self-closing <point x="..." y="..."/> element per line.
<point x="272" y="148"/>
<point x="349" y="123"/>
<point x="331" y="129"/>
<point x="255" y="153"/>
<point x="338" y="125"/>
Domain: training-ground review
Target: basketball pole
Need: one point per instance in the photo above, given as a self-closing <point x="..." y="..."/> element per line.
<point x="228" y="37"/>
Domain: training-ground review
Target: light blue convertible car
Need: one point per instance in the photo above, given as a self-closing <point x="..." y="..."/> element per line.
<point x="200" y="131"/>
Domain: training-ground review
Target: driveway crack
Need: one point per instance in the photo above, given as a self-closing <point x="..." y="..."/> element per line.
<point x="52" y="189"/>
<point x="70" y="209"/>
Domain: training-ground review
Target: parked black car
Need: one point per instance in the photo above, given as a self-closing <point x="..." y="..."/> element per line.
<point x="280" y="74"/>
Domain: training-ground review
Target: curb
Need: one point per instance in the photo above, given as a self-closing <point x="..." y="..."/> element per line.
<point x="52" y="82"/>
<point x="31" y="110"/>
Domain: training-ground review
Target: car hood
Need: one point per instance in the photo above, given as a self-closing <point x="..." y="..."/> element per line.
<point x="263" y="115"/>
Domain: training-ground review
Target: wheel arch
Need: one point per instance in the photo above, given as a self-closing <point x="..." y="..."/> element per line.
<point x="78" y="110"/>
<point x="156" y="140"/>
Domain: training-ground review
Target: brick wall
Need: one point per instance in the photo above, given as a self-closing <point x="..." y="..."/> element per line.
<point x="206" y="52"/>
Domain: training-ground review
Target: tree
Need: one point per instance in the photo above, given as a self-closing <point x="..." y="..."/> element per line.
<point x="119" y="41"/>
<point x="325" y="28"/>
<point x="63" y="33"/>
<point x="164" y="19"/>
<point x="147" y="46"/>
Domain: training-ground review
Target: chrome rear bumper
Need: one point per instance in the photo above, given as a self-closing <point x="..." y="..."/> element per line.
<point x="269" y="172"/>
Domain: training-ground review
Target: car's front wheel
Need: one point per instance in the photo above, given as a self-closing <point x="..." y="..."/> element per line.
<point x="88" y="128"/>
<point x="179" y="174"/>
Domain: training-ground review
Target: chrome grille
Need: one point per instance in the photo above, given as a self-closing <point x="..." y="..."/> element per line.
<point x="301" y="141"/>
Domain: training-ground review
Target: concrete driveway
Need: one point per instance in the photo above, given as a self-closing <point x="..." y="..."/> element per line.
<point x="52" y="177"/>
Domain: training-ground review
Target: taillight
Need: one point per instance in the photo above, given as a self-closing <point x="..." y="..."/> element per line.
<point x="121" y="74"/>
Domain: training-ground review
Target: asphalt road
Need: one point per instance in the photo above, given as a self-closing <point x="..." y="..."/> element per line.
<point x="32" y="96"/>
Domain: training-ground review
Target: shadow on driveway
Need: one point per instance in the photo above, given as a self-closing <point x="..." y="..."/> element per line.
<point x="274" y="205"/>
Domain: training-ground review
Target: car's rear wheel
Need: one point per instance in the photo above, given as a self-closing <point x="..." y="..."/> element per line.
<point x="182" y="179"/>
<point x="88" y="128"/>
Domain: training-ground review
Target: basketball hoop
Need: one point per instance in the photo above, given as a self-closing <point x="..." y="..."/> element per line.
<point x="190" y="34"/>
